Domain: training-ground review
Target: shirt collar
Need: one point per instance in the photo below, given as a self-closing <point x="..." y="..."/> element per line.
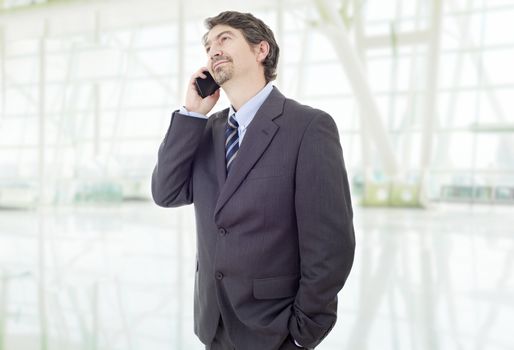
<point x="246" y="113"/>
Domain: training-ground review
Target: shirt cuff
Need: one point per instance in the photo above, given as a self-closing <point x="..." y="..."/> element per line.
<point x="296" y="343"/>
<point x="183" y="110"/>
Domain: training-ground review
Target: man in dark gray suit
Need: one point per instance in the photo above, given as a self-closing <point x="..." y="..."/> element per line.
<point x="275" y="240"/>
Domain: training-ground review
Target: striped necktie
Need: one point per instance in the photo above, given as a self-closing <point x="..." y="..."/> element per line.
<point x="231" y="141"/>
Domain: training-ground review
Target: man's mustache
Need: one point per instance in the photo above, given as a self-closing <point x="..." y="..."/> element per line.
<point x="220" y="58"/>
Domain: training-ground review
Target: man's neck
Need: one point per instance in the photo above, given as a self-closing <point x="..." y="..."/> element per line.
<point x="241" y="91"/>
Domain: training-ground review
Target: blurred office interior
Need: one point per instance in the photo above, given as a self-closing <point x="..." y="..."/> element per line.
<point x="422" y="92"/>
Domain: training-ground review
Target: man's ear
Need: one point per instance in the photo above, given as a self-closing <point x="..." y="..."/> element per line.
<point x="262" y="51"/>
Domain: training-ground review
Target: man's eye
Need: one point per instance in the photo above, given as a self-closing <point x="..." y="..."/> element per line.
<point x="207" y="49"/>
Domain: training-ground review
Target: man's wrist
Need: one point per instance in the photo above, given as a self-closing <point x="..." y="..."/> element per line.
<point x="184" y="110"/>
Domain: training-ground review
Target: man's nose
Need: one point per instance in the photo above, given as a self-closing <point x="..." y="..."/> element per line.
<point x="215" y="53"/>
<point x="215" y="50"/>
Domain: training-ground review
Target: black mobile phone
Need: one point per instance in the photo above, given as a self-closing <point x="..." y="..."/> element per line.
<point x="207" y="86"/>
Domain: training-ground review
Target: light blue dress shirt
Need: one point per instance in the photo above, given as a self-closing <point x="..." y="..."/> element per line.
<point x="245" y="114"/>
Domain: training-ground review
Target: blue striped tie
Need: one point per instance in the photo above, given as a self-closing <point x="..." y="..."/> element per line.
<point x="231" y="141"/>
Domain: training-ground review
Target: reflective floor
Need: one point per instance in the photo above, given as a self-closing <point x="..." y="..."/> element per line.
<point x="121" y="278"/>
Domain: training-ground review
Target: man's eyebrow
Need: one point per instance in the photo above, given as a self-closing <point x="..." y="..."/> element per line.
<point x="208" y="42"/>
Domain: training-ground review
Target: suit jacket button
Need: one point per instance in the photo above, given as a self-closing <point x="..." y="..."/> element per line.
<point x="222" y="231"/>
<point x="219" y="276"/>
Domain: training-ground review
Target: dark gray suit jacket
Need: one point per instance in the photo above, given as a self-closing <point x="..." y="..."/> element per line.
<point x="275" y="240"/>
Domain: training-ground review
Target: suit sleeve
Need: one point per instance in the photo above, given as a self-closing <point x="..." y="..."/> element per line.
<point x="325" y="231"/>
<point x="172" y="176"/>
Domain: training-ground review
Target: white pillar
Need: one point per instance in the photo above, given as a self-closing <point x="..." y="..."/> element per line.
<point x="337" y="34"/>
<point x="4" y="280"/>
<point x="430" y="116"/>
<point x="96" y="95"/>
<point x="365" y="135"/>
<point x="42" y="191"/>
<point x="2" y="71"/>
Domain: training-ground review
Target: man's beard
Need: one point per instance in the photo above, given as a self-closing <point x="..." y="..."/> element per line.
<point x="223" y="74"/>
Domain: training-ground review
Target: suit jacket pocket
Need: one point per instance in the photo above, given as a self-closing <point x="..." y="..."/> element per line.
<point x="275" y="287"/>
<point x="266" y="171"/>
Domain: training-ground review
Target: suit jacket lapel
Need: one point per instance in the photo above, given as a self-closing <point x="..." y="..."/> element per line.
<point x="218" y="131"/>
<point x="258" y="136"/>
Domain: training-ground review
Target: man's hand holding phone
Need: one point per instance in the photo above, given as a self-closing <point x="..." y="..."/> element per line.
<point x="194" y="101"/>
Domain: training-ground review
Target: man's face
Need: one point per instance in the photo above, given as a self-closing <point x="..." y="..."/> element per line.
<point x="229" y="55"/>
